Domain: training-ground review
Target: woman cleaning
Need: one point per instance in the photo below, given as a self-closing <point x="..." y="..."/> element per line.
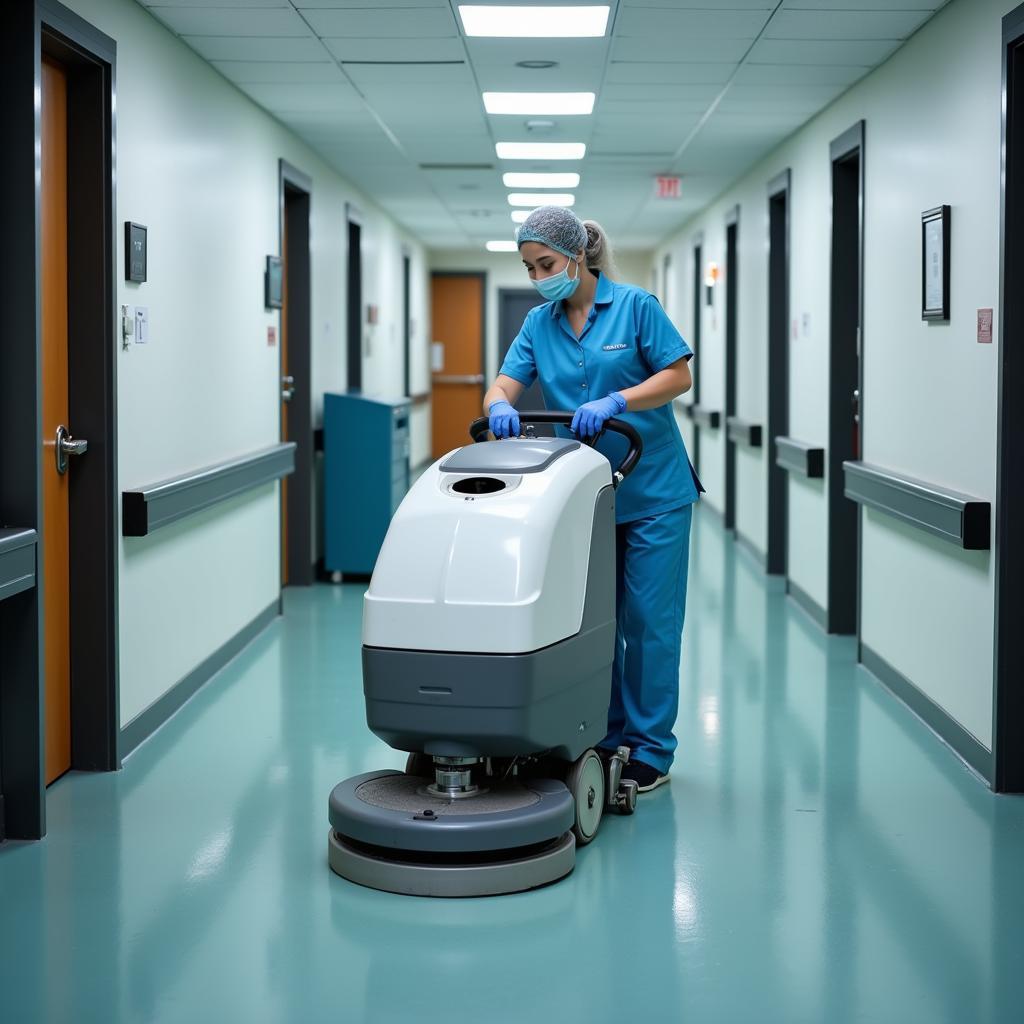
<point x="608" y="350"/>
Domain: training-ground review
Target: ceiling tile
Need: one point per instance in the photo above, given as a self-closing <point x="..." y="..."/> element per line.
<point x="664" y="73"/>
<point x="845" y="24"/>
<point x="255" y="48"/>
<point x="220" y="3"/>
<point x="248" y="72"/>
<point x="674" y="50"/>
<point x="800" y="74"/>
<point x="655" y="23"/>
<point x="230" y="21"/>
<point x="862" y="5"/>
<point x="745" y="5"/>
<point x="414" y="74"/>
<point x="622" y="92"/>
<point x="284" y="96"/>
<point x="383" y="50"/>
<point x="822" y="51"/>
<point x="569" y="53"/>
<point x="383" y="23"/>
<point x="350" y="4"/>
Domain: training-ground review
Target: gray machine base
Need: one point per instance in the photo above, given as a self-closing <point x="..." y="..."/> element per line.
<point x="373" y="868"/>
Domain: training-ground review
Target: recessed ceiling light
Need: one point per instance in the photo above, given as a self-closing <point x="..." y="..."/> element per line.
<point x="534" y="22"/>
<point x="555" y="103"/>
<point x="536" y="65"/>
<point x="540" y="150"/>
<point x="524" y="179"/>
<point x="520" y="215"/>
<point x="541" y="199"/>
<point x="501" y="246"/>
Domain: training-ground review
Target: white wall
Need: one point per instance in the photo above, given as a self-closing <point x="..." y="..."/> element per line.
<point x="932" y="117"/>
<point x="197" y="162"/>
<point x="506" y="270"/>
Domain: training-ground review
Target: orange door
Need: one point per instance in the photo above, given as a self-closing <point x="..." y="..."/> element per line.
<point x="457" y="304"/>
<point x="54" y="544"/>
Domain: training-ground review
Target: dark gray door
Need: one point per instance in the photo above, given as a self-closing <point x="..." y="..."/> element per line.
<point x="513" y="305"/>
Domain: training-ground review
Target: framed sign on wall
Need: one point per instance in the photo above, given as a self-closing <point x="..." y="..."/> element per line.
<point x="935" y="264"/>
<point x="272" y="283"/>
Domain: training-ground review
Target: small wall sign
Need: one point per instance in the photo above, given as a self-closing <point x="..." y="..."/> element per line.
<point x="273" y="283"/>
<point x="984" y="326"/>
<point x="134" y="252"/>
<point x="271" y="337"/>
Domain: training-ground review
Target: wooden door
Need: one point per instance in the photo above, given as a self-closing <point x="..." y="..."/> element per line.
<point x="457" y="304"/>
<point x="56" y="509"/>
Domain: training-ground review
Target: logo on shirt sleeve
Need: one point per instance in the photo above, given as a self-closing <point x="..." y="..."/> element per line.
<point x="615" y="348"/>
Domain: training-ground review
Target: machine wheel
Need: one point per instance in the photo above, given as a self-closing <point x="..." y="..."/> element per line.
<point x="585" y="782"/>
<point x="626" y="798"/>
<point x="421" y="766"/>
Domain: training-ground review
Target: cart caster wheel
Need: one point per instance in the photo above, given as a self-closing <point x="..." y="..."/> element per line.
<point x="420" y="766"/>
<point x="626" y="797"/>
<point x="585" y="781"/>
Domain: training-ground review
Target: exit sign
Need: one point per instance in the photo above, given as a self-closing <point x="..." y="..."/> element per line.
<point x="668" y="186"/>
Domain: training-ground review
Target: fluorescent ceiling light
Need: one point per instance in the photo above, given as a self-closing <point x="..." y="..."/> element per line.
<point x="534" y="22"/>
<point x="519" y="179"/>
<point x="541" y="199"/>
<point x="546" y="103"/>
<point x="540" y="150"/>
<point x="520" y="215"/>
<point x="501" y="246"/>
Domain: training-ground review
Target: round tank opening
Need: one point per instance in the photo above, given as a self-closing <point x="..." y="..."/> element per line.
<point x="478" y="485"/>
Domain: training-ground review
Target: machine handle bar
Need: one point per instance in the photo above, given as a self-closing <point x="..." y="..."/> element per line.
<point x="479" y="428"/>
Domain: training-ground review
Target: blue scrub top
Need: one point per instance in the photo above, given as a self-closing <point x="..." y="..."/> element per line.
<point x="627" y="338"/>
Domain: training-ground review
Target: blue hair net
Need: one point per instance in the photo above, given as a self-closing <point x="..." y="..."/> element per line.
<point x="556" y="227"/>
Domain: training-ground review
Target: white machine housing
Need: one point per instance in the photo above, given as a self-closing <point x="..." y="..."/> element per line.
<point x="494" y="573"/>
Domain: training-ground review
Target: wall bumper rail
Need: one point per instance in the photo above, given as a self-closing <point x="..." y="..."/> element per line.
<point x="742" y="432"/>
<point x="17" y="561"/>
<point x="149" y="508"/>
<point x="703" y="416"/>
<point x="797" y="457"/>
<point x="961" y="519"/>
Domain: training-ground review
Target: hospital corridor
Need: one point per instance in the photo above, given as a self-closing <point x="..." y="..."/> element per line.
<point x="506" y="511"/>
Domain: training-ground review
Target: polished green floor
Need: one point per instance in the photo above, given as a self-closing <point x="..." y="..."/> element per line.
<point x="818" y="857"/>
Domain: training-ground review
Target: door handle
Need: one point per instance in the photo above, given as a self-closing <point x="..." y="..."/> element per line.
<point x="458" y="378"/>
<point x="287" y="388"/>
<point x="66" y="446"/>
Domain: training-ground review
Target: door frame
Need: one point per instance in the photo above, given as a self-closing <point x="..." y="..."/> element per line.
<point x="841" y="564"/>
<point x="91" y="57"/>
<point x="732" y="246"/>
<point x="777" y="554"/>
<point x="406" y="321"/>
<point x="353" y="309"/>
<point x="1008" y="698"/>
<point x="295" y="183"/>
<point x="697" y="252"/>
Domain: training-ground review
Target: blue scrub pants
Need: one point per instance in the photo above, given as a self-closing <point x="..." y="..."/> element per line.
<point x="653" y="557"/>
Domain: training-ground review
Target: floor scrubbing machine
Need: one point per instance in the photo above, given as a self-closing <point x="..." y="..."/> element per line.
<point x="488" y="639"/>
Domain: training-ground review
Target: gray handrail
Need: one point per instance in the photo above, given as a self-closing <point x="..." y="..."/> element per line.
<point x="148" y="508"/>
<point x="799" y="457"/>
<point x="17" y="561"/>
<point x="743" y="432"/>
<point x="960" y="518"/>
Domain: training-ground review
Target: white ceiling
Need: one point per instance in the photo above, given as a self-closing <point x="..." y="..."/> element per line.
<point x="389" y="92"/>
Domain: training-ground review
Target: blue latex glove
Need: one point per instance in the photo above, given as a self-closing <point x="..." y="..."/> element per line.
<point x="503" y="419"/>
<point x="591" y="417"/>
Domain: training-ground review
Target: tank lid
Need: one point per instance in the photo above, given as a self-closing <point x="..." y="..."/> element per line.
<point x="518" y="455"/>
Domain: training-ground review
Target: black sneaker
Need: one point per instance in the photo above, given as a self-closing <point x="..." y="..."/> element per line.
<point x="646" y="777"/>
